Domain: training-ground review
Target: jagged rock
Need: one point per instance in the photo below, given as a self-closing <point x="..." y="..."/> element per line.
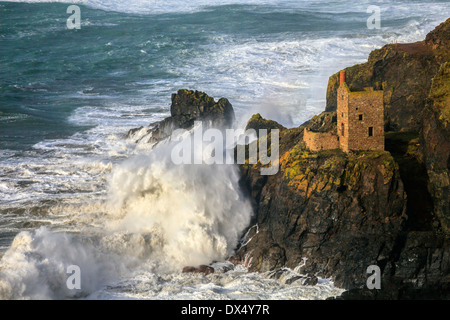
<point x="311" y="281"/>
<point x="342" y="212"/>
<point x="133" y="131"/>
<point x="186" y="108"/>
<point x="257" y="122"/>
<point x="286" y="276"/>
<point x="435" y="138"/>
<point x="225" y="269"/>
<point x="234" y="260"/>
<point x="439" y="41"/>
<point x="200" y="269"/>
<point x="324" y="122"/>
<point x="293" y="279"/>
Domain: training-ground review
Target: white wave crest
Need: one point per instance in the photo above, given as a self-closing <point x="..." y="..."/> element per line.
<point x="159" y="217"/>
<point x="197" y="210"/>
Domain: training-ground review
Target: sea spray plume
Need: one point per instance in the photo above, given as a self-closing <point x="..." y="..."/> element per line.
<point x="159" y="217"/>
<point x="196" y="211"/>
<point x="35" y="266"/>
<point x="229" y="148"/>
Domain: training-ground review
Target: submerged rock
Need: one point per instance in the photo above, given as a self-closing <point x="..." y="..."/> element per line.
<point x="200" y="269"/>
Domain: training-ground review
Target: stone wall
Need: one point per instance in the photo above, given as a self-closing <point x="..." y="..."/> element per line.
<point x="317" y="141"/>
<point x="342" y="116"/>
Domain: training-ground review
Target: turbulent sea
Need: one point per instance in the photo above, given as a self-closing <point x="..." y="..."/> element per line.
<point x="75" y="191"/>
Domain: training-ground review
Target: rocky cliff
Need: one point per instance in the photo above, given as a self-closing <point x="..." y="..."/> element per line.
<point x="435" y="138"/>
<point x="334" y="214"/>
<point x="341" y="212"/>
<point x="344" y="212"/>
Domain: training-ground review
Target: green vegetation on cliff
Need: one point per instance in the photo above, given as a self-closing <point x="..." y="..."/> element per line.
<point x="440" y="94"/>
<point x="257" y="122"/>
<point x="308" y="171"/>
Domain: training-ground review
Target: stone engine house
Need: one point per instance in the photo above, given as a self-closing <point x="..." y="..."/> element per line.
<point x="360" y="122"/>
<point x="360" y="118"/>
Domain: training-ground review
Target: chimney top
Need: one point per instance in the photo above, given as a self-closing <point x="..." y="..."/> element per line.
<point x="342" y="77"/>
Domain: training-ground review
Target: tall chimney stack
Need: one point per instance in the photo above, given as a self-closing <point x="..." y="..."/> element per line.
<point x="342" y="77"/>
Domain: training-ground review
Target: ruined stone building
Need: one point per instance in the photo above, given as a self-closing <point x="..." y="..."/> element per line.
<point x="360" y="118"/>
<point x="360" y="122"/>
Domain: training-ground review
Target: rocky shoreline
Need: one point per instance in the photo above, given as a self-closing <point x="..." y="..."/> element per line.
<point x="341" y="212"/>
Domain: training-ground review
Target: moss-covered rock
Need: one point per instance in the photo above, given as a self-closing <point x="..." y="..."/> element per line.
<point x="439" y="41"/>
<point x="257" y="122"/>
<point x="324" y="122"/>
<point x="330" y="207"/>
<point x="188" y="106"/>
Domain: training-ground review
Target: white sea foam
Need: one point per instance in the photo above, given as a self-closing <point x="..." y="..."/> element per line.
<point x="170" y="215"/>
<point x="196" y="210"/>
<point x="117" y="266"/>
<point x="237" y="284"/>
<point x="35" y="266"/>
<point x="152" y="6"/>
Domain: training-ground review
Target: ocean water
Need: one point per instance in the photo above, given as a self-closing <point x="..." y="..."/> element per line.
<point x="75" y="191"/>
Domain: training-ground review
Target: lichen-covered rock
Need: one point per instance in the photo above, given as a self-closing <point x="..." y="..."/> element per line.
<point x="439" y="41"/>
<point x="324" y="122"/>
<point x="342" y="212"/>
<point x="188" y="106"/>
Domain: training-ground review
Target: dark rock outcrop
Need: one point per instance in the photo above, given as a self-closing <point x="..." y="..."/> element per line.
<point x="341" y="212"/>
<point x="200" y="269"/>
<point x="344" y="212"/>
<point x="324" y="122"/>
<point x="186" y="108"/>
<point x="257" y="122"/>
